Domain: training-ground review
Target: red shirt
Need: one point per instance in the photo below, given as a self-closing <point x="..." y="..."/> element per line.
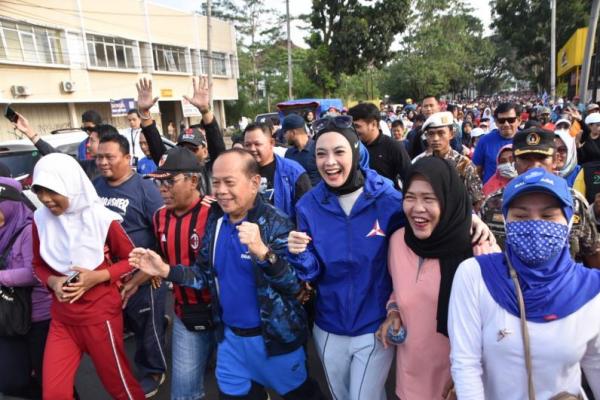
<point x="179" y="239"/>
<point x="103" y="301"/>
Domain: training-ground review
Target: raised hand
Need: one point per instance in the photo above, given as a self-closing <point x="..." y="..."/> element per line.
<point x="145" y="100"/>
<point x="200" y="99"/>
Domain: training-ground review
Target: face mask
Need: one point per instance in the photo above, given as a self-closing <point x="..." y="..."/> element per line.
<point x="535" y="241"/>
<point x="507" y="170"/>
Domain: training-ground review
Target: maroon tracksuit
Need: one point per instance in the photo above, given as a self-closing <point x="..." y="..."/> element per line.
<point x="92" y="325"/>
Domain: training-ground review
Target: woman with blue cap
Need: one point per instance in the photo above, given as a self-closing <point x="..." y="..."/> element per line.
<point x="524" y="323"/>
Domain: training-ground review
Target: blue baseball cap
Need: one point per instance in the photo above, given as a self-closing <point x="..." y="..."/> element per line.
<point x="539" y="180"/>
<point x="292" y="121"/>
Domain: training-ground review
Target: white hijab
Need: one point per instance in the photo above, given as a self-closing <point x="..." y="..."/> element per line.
<point x="77" y="237"/>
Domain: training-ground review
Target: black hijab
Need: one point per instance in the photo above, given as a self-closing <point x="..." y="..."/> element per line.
<point x="450" y="241"/>
<point x="355" y="179"/>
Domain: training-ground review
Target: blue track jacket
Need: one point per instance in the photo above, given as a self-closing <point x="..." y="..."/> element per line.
<point x="347" y="257"/>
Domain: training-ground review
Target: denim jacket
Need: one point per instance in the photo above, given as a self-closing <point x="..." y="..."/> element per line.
<point x="283" y="320"/>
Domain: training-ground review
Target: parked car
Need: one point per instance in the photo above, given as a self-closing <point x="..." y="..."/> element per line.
<point x="274" y="117"/>
<point x="20" y="155"/>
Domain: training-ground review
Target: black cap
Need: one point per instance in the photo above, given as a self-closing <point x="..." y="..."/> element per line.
<point x="176" y="161"/>
<point x="192" y="135"/>
<point x="534" y="140"/>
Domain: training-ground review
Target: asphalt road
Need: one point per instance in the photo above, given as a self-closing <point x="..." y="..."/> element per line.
<point x="89" y="386"/>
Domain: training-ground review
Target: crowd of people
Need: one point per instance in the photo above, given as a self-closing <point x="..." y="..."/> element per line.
<point x="460" y="240"/>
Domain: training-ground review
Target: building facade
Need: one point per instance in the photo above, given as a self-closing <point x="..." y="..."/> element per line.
<point x="59" y="58"/>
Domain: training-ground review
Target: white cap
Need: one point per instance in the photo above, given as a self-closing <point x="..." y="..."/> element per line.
<point x="593" y="118"/>
<point x="476" y="132"/>
<point x="439" y="120"/>
<point x="563" y="121"/>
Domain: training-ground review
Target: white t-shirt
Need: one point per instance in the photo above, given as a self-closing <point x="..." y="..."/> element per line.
<point x="133" y="137"/>
<point x="487" y="356"/>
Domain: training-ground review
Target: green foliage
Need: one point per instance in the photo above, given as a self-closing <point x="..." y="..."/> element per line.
<point x="525" y="25"/>
<point x="444" y="52"/>
<point x="350" y="35"/>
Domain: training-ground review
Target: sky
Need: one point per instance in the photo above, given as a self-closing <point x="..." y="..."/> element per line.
<point x="298" y="7"/>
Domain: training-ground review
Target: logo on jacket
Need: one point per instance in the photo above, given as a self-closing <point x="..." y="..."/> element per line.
<point x="376" y="231"/>
<point x="195" y="241"/>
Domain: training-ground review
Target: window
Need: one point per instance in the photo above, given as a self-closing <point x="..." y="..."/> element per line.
<point x="169" y="58"/>
<point x="28" y="43"/>
<point x="219" y="63"/>
<point x="108" y="52"/>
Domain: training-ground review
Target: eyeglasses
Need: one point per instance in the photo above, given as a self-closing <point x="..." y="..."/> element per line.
<point x="168" y="182"/>
<point x="87" y="129"/>
<point x="340" y="122"/>
<point x="510" y="120"/>
<point x="562" y="150"/>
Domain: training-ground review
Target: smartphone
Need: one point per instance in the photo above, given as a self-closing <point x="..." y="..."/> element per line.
<point x="10" y="114"/>
<point x="74" y="277"/>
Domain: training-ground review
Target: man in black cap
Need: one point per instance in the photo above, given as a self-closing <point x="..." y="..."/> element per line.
<point x="534" y="148"/>
<point x="179" y="228"/>
<point x="302" y="147"/>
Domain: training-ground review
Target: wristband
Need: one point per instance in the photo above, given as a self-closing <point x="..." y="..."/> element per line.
<point x="144" y="117"/>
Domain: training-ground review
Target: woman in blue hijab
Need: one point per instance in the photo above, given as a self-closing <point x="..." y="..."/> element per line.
<point x="560" y="300"/>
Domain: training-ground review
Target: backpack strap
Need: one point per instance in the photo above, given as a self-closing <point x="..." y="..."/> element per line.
<point x="524" y="329"/>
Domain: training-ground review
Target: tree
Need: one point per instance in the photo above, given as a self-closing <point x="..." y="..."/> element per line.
<point x="445" y="52"/>
<point x="350" y="35"/>
<point x="525" y="26"/>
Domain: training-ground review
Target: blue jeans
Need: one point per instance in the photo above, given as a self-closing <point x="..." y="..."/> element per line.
<point x="191" y="351"/>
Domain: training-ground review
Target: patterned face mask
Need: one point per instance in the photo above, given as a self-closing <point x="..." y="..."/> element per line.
<point x="536" y="241"/>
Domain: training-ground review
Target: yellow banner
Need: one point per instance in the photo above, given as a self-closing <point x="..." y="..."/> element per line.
<point x="571" y="54"/>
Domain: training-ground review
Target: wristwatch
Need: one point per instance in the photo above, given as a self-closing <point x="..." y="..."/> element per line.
<point x="271" y="257"/>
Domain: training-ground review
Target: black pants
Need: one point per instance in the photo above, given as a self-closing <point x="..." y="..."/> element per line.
<point x="21" y="362"/>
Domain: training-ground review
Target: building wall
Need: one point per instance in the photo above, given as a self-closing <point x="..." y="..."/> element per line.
<point x="138" y="22"/>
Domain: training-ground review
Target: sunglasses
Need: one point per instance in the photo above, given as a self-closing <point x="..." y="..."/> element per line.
<point x="87" y="129"/>
<point x="340" y="122"/>
<point x="168" y="182"/>
<point x="510" y="120"/>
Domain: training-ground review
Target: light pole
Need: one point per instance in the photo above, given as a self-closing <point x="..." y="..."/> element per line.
<point x="589" y="49"/>
<point x="289" y="51"/>
<point x="553" y="50"/>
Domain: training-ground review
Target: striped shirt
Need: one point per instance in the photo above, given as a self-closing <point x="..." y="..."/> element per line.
<point x="179" y="241"/>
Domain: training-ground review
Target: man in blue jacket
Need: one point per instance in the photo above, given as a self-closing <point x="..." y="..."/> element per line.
<point x="283" y="181"/>
<point x="260" y="325"/>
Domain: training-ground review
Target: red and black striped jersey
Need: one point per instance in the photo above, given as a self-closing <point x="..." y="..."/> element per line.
<point x="179" y="240"/>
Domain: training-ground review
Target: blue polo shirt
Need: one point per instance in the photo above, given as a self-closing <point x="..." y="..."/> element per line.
<point x="306" y="158"/>
<point x="237" y="284"/>
<point x="486" y="152"/>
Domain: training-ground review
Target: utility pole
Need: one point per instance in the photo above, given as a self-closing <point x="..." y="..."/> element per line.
<point x="289" y="51"/>
<point x="209" y="73"/>
<point x="553" y="50"/>
<point x="589" y="49"/>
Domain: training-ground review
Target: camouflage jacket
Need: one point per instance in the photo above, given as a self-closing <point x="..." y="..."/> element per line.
<point x="466" y="170"/>
<point x="283" y="319"/>
<point x="583" y="240"/>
